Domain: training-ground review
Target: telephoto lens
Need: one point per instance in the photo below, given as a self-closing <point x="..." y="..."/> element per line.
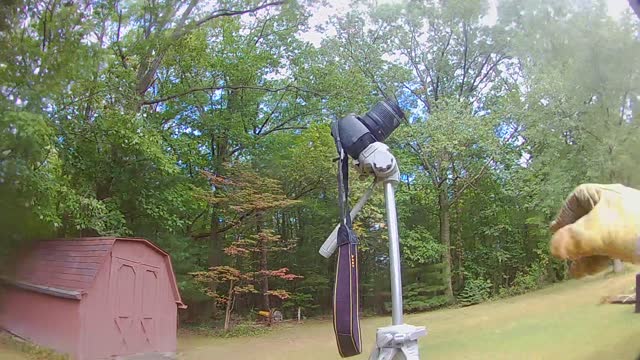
<point x="358" y="132"/>
<point x="383" y="119"/>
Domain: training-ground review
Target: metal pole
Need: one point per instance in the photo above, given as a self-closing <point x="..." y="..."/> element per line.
<point x="394" y="253"/>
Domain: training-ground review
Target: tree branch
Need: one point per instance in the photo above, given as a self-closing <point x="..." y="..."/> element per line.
<point x="422" y="99"/>
<point x="118" y="48"/>
<point x="186" y="13"/>
<point x="482" y="170"/>
<point x="306" y="190"/>
<point x="491" y="68"/>
<point x="464" y="58"/>
<point x="230" y="225"/>
<point x="478" y="73"/>
<point x="192" y="222"/>
<point x="279" y="128"/>
<point x="425" y="163"/>
<point x="211" y="88"/>
<point x="357" y="58"/>
<point x="146" y="73"/>
<point x="264" y="123"/>
<point x="225" y="13"/>
<point x="259" y="37"/>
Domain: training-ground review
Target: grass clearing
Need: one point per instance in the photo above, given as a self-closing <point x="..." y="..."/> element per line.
<point x="13" y="349"/>
<point x="565" y="321"/>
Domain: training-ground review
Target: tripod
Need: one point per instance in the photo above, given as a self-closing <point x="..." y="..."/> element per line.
<point x="399" y="340"/>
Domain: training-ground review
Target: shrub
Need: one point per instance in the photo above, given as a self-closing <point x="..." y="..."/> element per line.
<point x="241" y="329"/>
<point x="475" y="291"/>
<point x="421" y="297"/>
<point x="530" y="279"/>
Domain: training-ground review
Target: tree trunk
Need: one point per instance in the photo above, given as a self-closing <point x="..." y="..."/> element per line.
<point x="215" y="238"/>
<point x="227" y="313"/>
<point x="215" y="252"/>
<point x="445" y="239"/>
<point x="263" y="267"/>
<point x="459" y="247"/>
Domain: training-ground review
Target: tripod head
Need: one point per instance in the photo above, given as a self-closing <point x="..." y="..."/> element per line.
<point x="357" y="132"/>
<point x="361" y="138"/>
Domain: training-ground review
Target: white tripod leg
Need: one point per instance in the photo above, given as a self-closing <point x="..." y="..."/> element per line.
<point x="331" y="244"/>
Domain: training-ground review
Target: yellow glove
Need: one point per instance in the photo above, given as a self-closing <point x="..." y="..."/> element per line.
<point x="597" y="223"/>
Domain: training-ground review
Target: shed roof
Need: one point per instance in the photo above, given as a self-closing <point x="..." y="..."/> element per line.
<point x="68" y="267"/>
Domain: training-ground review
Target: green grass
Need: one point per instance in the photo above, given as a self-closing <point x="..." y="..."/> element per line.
<point x="12" y="349"/>
<point x="564" y="321"/>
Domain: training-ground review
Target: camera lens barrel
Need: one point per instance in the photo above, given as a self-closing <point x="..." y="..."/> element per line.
<point x="358" y="132"/>
<point x="382" y="119"/>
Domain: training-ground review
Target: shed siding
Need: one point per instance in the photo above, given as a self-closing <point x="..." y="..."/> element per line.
<point x="97" y="340"/>
<point x="128" y="304"/>
<point x="43" y="319"/>
<point x="131" y="308"/>
<point x="156" y="322"/>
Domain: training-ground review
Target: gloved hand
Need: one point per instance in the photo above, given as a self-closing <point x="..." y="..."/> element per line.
<point x="597" y="223"/>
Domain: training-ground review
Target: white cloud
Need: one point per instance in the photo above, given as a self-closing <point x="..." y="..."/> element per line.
<point x="321" y="14"/>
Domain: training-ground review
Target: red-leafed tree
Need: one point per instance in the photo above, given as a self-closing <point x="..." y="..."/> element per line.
<point x="238" y="282"/>
<point x="247" y="202"/>
<point x="243" y="282"/>
<point x="263" y="244"/>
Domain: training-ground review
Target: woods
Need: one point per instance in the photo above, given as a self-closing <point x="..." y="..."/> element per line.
<point x="205" y="127"/>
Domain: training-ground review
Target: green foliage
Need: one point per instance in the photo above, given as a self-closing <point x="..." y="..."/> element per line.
<point x="420" y="247"/>
<point x="303" y="301"/>
<point x="425" y="289"/>
<point x="204" y="135"/>
<point x="530" y="279"/>
<point x="242" y="329"/>
<point x="418" y="297"/>
<point x="475" y="291"/>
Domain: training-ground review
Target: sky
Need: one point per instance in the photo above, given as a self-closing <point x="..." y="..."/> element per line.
<point x="322" y="14"/>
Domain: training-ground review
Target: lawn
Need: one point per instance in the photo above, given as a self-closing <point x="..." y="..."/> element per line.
<point x="564" y="321"/>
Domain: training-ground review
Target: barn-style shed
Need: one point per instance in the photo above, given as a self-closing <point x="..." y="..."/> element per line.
<point x="94" y="298"/>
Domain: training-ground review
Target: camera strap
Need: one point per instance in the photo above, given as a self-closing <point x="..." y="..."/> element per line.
<point x="346" y="304"/>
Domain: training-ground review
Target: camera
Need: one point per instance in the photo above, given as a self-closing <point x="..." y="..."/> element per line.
<point x="358" y="132"/>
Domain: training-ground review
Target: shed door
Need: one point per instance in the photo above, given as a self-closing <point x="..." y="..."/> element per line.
<point x="134" y="303"/>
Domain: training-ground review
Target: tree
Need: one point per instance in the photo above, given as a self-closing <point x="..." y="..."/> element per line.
<point x="247" y="195"/>
<point x="451" y="70"/>
<point x="205" y="128"/>
<point x="243" y="282"/>
<point x="581" y="99"/>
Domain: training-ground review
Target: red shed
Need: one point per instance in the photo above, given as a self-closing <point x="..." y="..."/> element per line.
<point x="94" y="298"/>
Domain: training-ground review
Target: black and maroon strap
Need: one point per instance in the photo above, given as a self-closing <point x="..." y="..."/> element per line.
<point x="346" y="306"/>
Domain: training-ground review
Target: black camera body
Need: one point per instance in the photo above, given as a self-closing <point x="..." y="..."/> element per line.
<point x="358" y="132"/>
